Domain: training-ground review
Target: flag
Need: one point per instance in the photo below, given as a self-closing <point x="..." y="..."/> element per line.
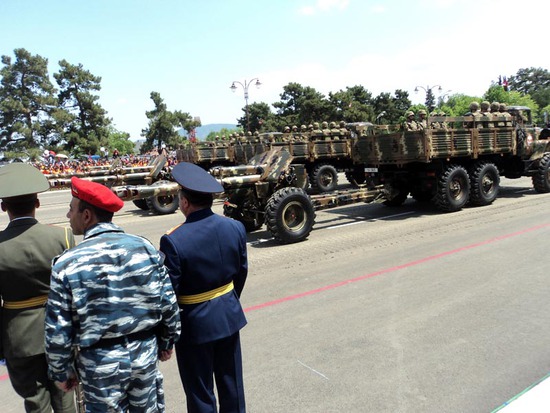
<point x="505" y="84"/>
<point x="499" y="80"/>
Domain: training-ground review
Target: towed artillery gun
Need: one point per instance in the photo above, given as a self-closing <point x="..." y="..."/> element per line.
<point x="150" y="178"/>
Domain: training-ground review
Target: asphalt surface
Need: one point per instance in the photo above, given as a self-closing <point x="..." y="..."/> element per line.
<point x="384" y="309"/>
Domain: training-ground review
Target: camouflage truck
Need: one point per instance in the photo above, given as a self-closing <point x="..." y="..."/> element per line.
<point x="152" y="179"/>
<point x="458" y="160"/>
<point x="324" y="150"/>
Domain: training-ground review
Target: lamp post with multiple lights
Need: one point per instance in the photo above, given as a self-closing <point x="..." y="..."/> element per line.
<point x="430" y="98"/>
<point x="245" y="86"/>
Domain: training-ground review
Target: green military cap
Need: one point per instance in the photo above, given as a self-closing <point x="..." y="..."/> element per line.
<point x="18" y="179"/>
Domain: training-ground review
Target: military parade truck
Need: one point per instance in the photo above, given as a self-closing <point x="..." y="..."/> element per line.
<point x="324" y="152"/>
<point x="456" y="163"/>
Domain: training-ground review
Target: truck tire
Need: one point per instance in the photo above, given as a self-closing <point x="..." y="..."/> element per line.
<point x="484" y="184"/>
<point x="163" y="204"/>
<point x="289" y="215"/>
<point x="453" y="189"/>
<point x="141" y="204"/>
<point x="324" y="178"/>
<point x="541" y="179"/>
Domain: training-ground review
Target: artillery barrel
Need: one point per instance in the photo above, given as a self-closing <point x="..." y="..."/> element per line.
<point x="239" y="181"/>
<point x="103" y="179"/>
<point x="243" y="170"/>
<point x="133" y="192"/>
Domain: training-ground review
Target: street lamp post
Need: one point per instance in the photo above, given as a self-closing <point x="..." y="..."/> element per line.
<point x="245" y="86"/>
<point x="428" y="91"/>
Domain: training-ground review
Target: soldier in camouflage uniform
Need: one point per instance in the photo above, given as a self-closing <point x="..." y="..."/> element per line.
<point x="422" y="121"/>
<point x="112" y="298"/>
<point x="487" y="117"/>
<point x="504" y="112"/>
<point x="410" y="123"/>
<point x="475" y="113"/>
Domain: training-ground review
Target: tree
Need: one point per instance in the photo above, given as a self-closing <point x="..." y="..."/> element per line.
<point x="120" y="141"/>
<point x="163" y="125"/>
<point x="352" y="105"/>
<point x="534" y="82"/>
<point x="391" y="108"/>
<point x="85" y="127"/>
<point x="301" y="105"/>
<point x="261" y="117"/>
<point x="26" y="100"/>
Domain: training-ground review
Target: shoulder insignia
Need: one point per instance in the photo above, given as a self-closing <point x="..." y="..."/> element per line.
<point x="173" y="229"/>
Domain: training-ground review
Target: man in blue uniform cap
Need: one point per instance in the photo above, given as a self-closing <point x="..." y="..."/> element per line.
<point x="207" y="262"/>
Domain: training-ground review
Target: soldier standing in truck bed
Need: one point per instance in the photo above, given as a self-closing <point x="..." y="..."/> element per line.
<point x="26" y="252"/>
<point x="410" y="123"/>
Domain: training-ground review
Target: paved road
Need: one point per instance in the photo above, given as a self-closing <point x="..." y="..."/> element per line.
<point x="385" y="309"/>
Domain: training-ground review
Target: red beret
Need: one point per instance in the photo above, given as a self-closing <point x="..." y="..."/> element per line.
<point x="95" y="194"/>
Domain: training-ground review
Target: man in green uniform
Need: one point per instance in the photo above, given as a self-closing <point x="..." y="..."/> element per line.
<point x="26" y="251"/>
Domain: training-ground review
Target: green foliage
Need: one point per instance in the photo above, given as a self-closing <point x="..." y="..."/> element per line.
<point x="221" y="133"/>
<point x="164" y="125"/>
<point x="26" y="101"/>
<point x="120" y="141"/>
<point x="260" y="117"/>
<point x="534" y="82"/>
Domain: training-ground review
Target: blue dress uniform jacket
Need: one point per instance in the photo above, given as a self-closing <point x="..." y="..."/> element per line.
<point x="109" y="288"/>
<point x="203" y="255"/>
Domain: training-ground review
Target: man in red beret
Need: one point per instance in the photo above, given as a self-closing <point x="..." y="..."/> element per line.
<point x="112" y="298"/>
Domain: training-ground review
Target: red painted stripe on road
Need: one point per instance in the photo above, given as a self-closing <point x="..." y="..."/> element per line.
<point x="4" y="377"/>
<point x="393" y="269"/>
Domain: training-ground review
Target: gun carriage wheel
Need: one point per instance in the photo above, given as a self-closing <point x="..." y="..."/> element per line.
<point x="289" y="215"/>
<point x="163" y="204"/>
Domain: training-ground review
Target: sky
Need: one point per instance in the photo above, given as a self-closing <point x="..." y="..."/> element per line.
<point x="191" y="51"/>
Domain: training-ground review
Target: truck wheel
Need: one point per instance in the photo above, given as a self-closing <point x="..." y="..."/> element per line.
<point x="141" y="204"/>
<point x="324" y="178"/>
<point x="484" y="184"/>
<point x="163" y="204"/>
<point x="289" y="215"/>
<point x="541" y="179"/>
<point x="453" y="189"/>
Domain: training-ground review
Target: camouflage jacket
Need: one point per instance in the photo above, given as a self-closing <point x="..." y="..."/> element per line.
<point x="112" y="284"/>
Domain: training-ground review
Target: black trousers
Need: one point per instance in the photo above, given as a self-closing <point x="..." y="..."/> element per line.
<point x="200" y="364"/>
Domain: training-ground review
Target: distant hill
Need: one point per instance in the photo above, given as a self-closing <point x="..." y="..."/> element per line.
<point x="202" y="131"/>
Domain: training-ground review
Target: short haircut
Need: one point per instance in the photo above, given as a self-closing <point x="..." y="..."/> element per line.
<point x="21" y="205"/>
<point x="199" y="199"/>
<point x="101" y="214"/>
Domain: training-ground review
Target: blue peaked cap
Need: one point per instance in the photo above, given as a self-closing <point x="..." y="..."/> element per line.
<point x="194" y="178"/>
